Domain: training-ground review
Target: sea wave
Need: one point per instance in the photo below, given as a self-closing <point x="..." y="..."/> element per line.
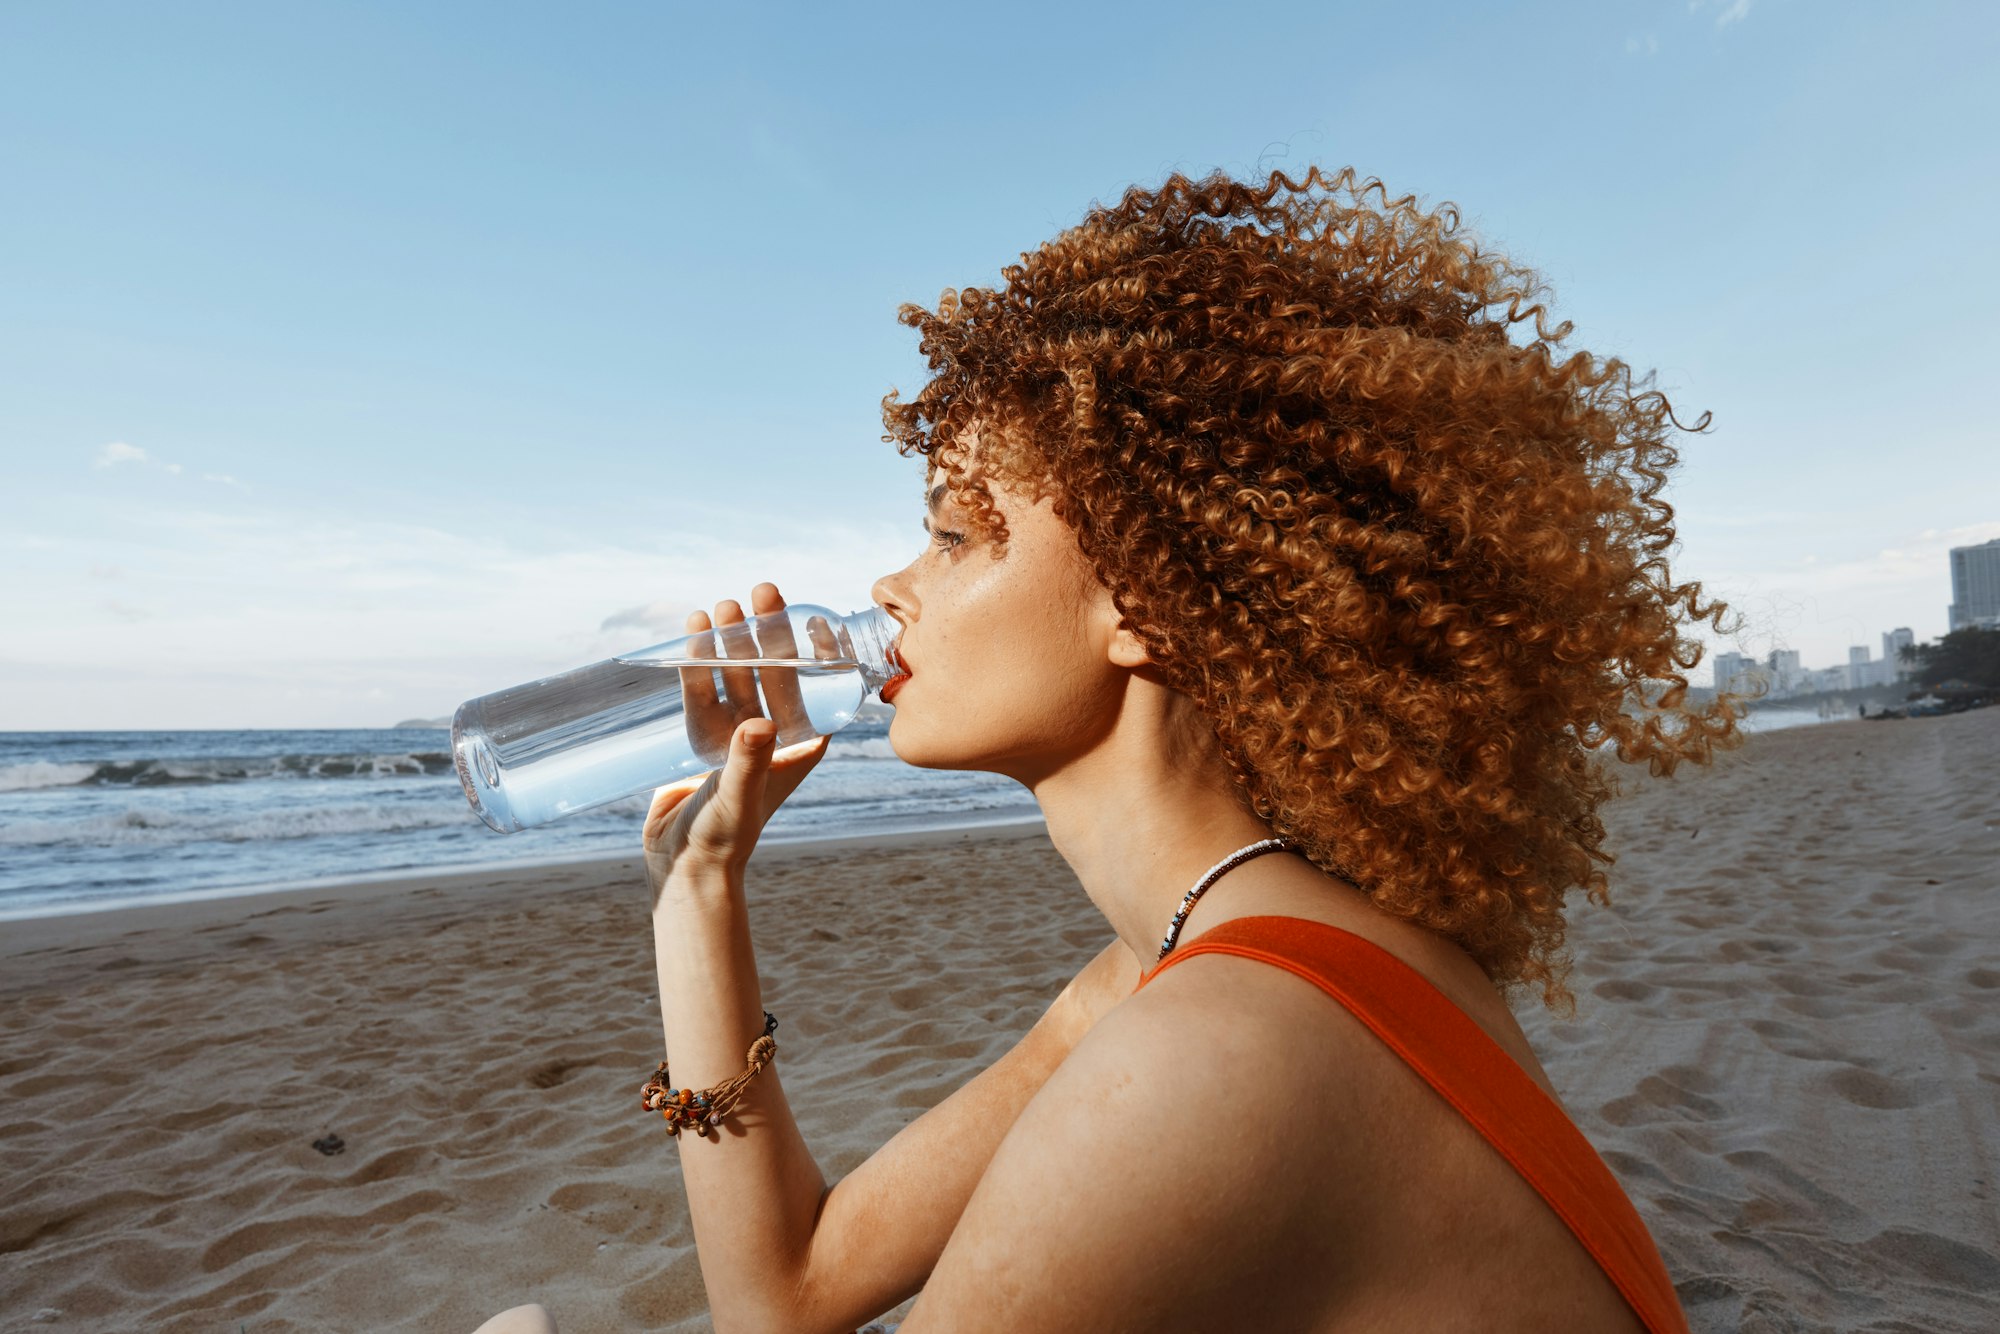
<point x="861" y="748"/>
<point x="137" y="826"/>
<point x="220" y="769"/>
<point x="43" y="773"/>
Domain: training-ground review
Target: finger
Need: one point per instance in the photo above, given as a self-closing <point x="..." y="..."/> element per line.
<point x="739" y="684"/>
<point x="824" y="643"/>
<point x="789" y="768"/>
<point x="667" y="800"/>
<point x="741" y="789"/>
<point x="707" y="721"/>
<point x="782" y="693"/>
<point x="698" y="683"/>
<point x="765" y="598"/>
<point x="807" y="752"/>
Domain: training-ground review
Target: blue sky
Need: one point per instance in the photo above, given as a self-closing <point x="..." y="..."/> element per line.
<point x="357" y="359"/>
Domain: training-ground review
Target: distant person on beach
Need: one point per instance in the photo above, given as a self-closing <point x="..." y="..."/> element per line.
<point x="1278" y="546"/>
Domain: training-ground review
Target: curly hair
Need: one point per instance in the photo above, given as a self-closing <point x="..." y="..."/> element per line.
<point x="1411" y="570"/>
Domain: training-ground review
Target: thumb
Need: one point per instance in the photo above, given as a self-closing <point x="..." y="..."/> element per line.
<point x="747" y="768"/>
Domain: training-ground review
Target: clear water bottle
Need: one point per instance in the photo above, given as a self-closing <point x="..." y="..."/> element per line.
<point x="536" y="752"/>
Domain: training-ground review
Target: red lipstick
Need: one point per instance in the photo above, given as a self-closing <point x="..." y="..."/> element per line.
<point x="895" y="683"/>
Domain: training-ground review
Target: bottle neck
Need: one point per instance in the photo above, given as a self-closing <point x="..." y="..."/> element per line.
<point x="870" y="633"/>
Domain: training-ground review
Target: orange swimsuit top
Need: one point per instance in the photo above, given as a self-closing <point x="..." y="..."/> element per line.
<point x="1476" y="1076"/>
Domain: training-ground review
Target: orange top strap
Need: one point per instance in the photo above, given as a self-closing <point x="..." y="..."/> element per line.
<point x="1476" y="1076"/>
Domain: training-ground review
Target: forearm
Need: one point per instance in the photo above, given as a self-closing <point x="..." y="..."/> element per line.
<point x="753" y="1189"/>
<point x="884" y="1225"/>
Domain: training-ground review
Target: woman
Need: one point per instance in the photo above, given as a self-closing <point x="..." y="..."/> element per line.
<point x="1276" y="551"/>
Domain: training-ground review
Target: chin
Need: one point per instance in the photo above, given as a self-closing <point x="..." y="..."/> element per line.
<point x="905" y="738"/>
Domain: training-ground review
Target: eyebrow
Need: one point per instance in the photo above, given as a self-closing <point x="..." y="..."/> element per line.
<point x="936" y="492"/>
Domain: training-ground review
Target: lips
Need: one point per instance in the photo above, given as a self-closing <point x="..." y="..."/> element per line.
<point x="902" y="674"/>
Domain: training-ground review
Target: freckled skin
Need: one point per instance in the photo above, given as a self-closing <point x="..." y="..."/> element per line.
<point x="1007" y="651"/>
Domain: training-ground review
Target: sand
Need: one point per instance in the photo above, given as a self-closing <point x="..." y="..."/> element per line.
<point x="1787" y="1047"/>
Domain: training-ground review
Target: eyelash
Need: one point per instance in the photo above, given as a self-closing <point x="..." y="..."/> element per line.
<point x="939" y="534"/>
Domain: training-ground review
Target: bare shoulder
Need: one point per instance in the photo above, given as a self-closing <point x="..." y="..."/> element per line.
<point x="1152" y="1183"/>
<point x="1235" y="1150"/>
<point x="1432" y="1227"/>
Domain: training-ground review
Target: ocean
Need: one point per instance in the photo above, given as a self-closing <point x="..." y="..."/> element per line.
<point x="101" y="819"/>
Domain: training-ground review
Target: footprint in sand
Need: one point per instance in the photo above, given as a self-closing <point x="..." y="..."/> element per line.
<point x="1935" y="1259"/>
<point x="1675" y="1094"/>
<point x="1864" y="1088"/>
<point x="1791" y="1040"/>
<point x="551" y="1073"/>
<point x="1757" y="948"/>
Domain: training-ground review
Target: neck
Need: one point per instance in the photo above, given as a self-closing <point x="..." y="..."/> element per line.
<point x="1140" y="818"/>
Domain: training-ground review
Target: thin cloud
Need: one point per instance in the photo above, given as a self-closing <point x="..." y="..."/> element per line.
<point x="654" y="618"/>
<point x="118" y="452"/>
<point x="1642" y="44"/>
<point x="1735" y="11"/>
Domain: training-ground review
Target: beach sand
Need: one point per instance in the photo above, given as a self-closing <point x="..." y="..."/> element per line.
<point x="1787" y="1047"/>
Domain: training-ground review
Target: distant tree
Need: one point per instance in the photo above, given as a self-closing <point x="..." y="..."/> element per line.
<point x="1964" y="655"/>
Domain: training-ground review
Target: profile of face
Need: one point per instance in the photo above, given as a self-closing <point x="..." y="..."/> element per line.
<point x="1017" y="660"/>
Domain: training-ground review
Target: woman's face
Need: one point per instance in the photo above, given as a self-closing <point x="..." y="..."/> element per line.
<point x="1010" y="658"/>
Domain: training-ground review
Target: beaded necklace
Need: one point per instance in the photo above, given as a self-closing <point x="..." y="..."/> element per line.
<point x="1234" y="859"/>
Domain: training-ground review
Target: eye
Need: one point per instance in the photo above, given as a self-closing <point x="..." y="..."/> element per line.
<point x="943" y="537"/>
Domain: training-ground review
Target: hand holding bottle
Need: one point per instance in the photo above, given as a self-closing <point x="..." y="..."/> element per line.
<point x="713" y="823"/>
<point x="623" y="727"/>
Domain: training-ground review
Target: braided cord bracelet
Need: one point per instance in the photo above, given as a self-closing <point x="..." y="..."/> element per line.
<point x="701" y="1110"/>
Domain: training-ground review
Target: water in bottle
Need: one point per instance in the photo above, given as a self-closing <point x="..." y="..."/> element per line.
<point x="535" y="752"/>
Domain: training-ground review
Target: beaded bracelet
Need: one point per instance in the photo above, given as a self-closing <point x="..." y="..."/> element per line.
<point x="702" y="1110"/>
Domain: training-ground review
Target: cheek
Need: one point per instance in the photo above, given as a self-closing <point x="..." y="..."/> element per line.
<point x="1009" y="663"/>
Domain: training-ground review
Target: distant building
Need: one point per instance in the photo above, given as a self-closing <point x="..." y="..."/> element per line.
<point x="1784" y="672"/>
<point x="1861" y="673"/>
<point x="1732" y="673"/>
<point x="1893" y="645"/>
<point x="1975" y="586"/>
<point x="1781" y="675"/>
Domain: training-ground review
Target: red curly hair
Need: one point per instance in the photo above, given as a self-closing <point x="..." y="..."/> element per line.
<point x="1412" y="571"/>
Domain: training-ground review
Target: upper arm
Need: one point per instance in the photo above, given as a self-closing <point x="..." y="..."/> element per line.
<point x="882" y="1227"/>
<point x="1152" y="1184"/>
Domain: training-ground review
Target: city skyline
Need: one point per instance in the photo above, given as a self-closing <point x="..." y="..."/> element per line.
<point x="1975" y="585"/>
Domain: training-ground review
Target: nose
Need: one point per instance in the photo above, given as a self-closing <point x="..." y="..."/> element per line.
<point x="892" y="594"/>
<point x="897" y="597"/>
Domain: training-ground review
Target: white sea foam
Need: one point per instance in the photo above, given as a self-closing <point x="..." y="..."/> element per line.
<point x="136" y="825"/>
<point x="42" y="773"/>
<point x="221" y="769"/>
